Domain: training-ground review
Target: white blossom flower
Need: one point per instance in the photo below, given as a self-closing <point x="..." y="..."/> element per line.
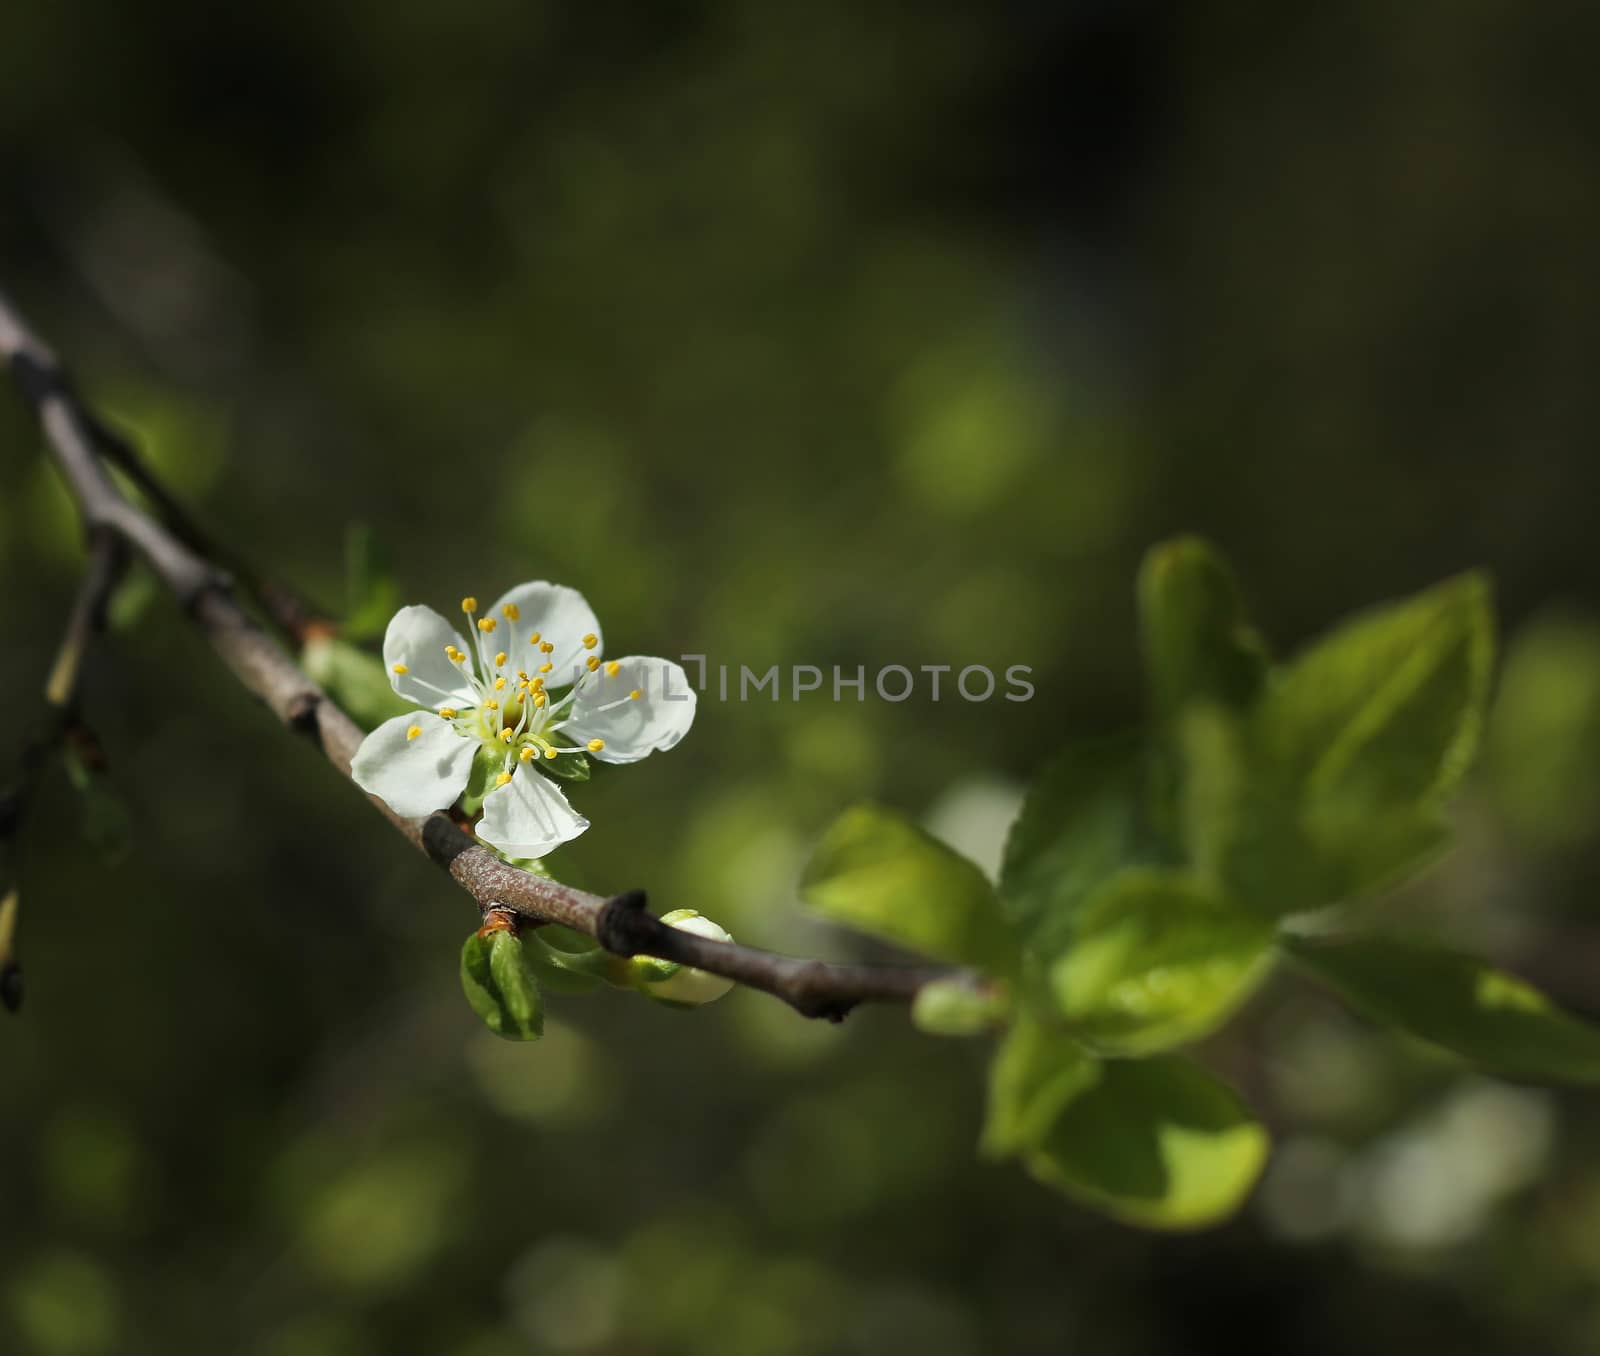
<point x="531" y="687"/>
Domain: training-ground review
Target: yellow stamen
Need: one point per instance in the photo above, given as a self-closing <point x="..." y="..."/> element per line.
<point x="448" y="712"/>
<point x="539" y="699"/>
<point x="590" y="641"/>
<point x="534" y="638"/>
<point x="593" y="661"/>
<point x="401" y="668"/>
<point x="413" y="732"/>
<point x="538" y="684"/>
<point x="613" y="668"/>
<point x="511" y="612"/>
<point x="635" y="695"/>
<point x="546" y="667"/>
<point x="549" y="752"/>
<point x="500" y="660"/>
<point x="491" y="705"/>
<point x="502" y="779"/>
<point x="469" y="604"/>
<point x="595" y="745"/>
<point x="487" y="624"/>
<point x="507" y="734"/>
<point x="500" y="684"/>
<point x="527" y="752"/>
<point x="545" y="647"/>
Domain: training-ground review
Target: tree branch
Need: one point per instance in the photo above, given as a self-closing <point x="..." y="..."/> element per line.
<point x="621" y="925"/>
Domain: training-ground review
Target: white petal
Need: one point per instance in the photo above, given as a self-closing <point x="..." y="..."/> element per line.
<point x="559" y="616"/>
<point x="415" y="775"/>
<point x="416" y="638"/>
<point x="528" y="816"/>
<point x="631" y="729"/>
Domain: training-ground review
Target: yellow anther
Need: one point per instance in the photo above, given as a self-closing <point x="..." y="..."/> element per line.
<point x="545" y="647"/>
<point x="534" y="638"/>
<point x="546" y="667"/>
<point x="539" y="699"/>
<point x="511" y="612"/>
<point x="595" y="745"/>
<point x="507" y="735"/>
<point x="500" y="660"/>
<point x="469" y="604"/>
<point x="549" y="752"/>
<point x="613" y="668"/>
<point x="590" y="641"/>
<point x="538" y="684"/>
<point x="491" y="705"/>
<point x="413" y="732"/>
<point x="593" y="661"/>
<point x="500" y="683"/>
<point x="522" y="674"/>
<point x="448" y="712"/>
<point x="527" y="752"/>
<point x="487" y="624"/>
<point x="635" y="695"/>
<point x="502" y="778"/>
<point x="401" y="668"/>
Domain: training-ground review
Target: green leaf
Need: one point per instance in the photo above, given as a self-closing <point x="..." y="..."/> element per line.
<point x="1278" y="851"/>
<point x="356" y="680"/>
<point x="501" y="986"/>
<point x="570" y="767"/>
<point x="1489" y="1018"/>
<point x="1157" y="959"/>
<point x="1387" y="708"/>
<point x="1035" y="1073"/>
<point x="1199" y="646"/>
<point x="1334" y="785"/>
<point x="1156" y="1142"/>
<point x="953" y="1007"/>
<point x="372" y="595"/>
<point x="876" y="871"/>
<point x="1086" y="817"/>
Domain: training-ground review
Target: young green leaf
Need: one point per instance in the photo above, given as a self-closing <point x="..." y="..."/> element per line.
<point x="1086" y="818"/>
<point x="1199" y="646"/>
<point x="1334" y="785"/>
<point x="570" y="767"/>
<point x="1387" y="708"/>
<point x="1489" y="1018"/>
<point x="876" y="871"/>
<point x="1277" y="850"/>
<point x="1034" y="1074"/>
<point x="1156" y="1142"/>
<point x="500" y="984"/>
<point x="1157" y="959"/>
<point x="354" y="678"/>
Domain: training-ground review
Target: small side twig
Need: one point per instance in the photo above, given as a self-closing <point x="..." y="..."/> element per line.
<point x="61" y="724"/>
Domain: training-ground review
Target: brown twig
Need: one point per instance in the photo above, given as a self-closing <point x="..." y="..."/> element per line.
<point x="61" y="725"/>
<point x="621" y="925"/>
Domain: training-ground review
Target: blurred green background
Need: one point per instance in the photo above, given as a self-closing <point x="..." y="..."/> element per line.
<point x="837" y="333"/>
